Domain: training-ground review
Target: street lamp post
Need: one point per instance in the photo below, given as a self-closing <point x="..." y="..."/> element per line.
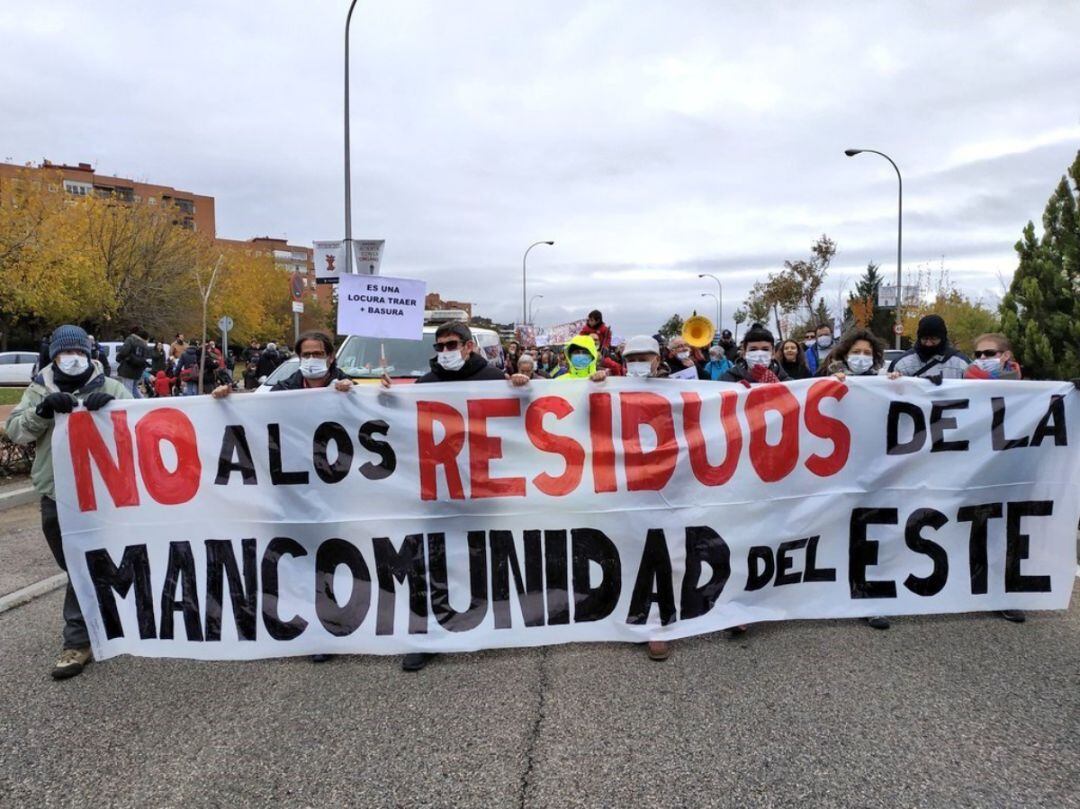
<point x="899" y="232"/>
<point x="719" y="299"/>
<point x="533" y="298"/>
<point x="348" y="165"/>
<point x="710" y="295"/>
<point x="524" y="258"/>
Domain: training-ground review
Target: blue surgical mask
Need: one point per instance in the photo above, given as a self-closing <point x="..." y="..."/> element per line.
<point x="581" y="361"/>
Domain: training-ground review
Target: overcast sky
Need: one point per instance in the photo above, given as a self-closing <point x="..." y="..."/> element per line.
<point x="651" y="141"/>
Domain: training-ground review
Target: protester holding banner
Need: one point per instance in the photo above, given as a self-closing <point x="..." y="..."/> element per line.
<point x="860" y="352"/>
<point x="526" y="369"/>
<point x="933" y="356"/>
<point x="994" y="360"/>
<point x="581" y="359"/>
<point x="71" y="378"/>
<point x="757" y="363"/>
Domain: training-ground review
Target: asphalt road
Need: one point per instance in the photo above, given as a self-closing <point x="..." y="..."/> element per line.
<point x="952" y="711"/>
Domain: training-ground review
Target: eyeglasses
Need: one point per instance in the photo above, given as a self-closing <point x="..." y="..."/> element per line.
<point x="449" y="345"/>
<point x="990" y="352"/>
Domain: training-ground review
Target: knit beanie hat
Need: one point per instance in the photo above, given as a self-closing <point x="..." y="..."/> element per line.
<point x="69" y="338"/>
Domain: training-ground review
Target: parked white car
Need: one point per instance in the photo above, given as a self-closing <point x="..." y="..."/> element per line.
<point x="17" y="367"/>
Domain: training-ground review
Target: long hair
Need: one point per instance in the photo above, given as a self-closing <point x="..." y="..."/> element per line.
<point x="843" y="348"/>
<point x="800" y="354"/>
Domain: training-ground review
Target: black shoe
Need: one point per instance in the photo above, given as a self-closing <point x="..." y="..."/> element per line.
<point x="878" y="622"/>
<point x="1016" y="616"/>
<point x="320" y="658"/>
<point x="416" y="661"/>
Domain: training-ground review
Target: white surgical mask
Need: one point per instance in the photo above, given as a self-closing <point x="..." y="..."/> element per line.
<point x="451" y="360"/>
<point x="72" y="364"/>
<point x="859" y="363"/>
<point x="824" y="340"/>
<point x="638" y="368"/>
<point x="988" y="364"/>
<point x="683" y="355"/>
<point x="758" y="358"/>
<point x="313" y="367"/>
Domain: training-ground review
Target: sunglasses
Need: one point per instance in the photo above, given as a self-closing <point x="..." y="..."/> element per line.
<point x="449" y="345"/>
<point x="990" y="352"/>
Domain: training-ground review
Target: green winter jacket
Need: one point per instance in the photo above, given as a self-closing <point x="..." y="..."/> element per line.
<point x="25" y="426"/>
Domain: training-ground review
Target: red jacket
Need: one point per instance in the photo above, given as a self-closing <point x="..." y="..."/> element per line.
<point x="162" y="384"/>
<point x="602" y="331"/>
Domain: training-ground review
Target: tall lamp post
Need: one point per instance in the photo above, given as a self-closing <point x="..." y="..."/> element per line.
<point x="524" y="258"/>
<point x="899" y="233"/>
<point x="533" y="298"/>
<point x="719" y="299"/>
<point x="348" y="165"/>
<point x="710" y="295"/>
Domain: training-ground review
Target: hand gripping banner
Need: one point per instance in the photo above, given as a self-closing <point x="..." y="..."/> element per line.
<point x="454" y="517"/>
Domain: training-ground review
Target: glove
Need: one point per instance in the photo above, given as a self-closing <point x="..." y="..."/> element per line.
<point x="56" y="403"/>
<point x="97" y="400"/>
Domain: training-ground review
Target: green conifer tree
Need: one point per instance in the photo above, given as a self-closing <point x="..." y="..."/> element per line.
<point x="1040" y="314"/>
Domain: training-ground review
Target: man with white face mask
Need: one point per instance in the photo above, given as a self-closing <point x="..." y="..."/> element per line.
<point x="317" y="370"/>
<point x="820" y="348"/>
<point x="457" y="359"/>
<point x="757" y="363"/>
<point x="70" y="378"/>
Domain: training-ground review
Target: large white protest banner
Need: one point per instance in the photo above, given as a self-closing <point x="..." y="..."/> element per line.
<point x="378" y="306"/>
<point x="460" y="516"/>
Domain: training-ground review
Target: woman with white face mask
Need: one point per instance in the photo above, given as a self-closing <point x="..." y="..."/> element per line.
<point x="993" y="359"/>
<point x="860" y="352"/>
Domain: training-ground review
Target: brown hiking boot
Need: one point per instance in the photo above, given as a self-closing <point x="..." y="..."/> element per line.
<point x="658" y="650"/>
<point x="71" y="663"/>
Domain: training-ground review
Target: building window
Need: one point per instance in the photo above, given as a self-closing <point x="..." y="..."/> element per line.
<point x="151" y="200"/>
<point x="77" y="188"/>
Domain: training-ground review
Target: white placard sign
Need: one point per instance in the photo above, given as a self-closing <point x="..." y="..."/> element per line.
<point x="378" y="306"/>
<point x="685" y="373"/>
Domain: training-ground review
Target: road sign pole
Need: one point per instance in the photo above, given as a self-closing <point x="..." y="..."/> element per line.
<point x="296" y="326"/>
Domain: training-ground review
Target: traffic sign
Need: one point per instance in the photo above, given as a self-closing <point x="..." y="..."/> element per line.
<point x="297" y="286"/>
<point x="298" y="307"/>
<point x="898" y="328"/>
<point x="225" y="323"/>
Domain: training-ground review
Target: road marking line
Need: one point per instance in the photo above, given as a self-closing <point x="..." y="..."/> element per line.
<point x="35" y="590"/>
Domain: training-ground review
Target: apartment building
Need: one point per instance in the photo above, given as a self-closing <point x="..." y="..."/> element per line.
<point x="192" y="211"/>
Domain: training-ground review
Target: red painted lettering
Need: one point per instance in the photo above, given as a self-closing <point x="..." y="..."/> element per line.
<point x="648" y="471"/>
<point x="84" y="443"/>
<point x="603" y="448"/>
<point x="483" y="449"/>
<point x="168" y="424"/>
<point x="572" y="452"/>
<point x="444" y="452"/>
<point x="699" y="458"/>
<point x="773" y="462"/>
<point x="827" y="427"/>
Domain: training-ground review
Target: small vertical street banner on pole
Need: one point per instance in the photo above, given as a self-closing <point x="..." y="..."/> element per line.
<point x="378" y="306"/>
<point x="329" y="257"/>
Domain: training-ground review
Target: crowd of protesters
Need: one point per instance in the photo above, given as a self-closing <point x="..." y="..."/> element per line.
<point x="74" y="372"/>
